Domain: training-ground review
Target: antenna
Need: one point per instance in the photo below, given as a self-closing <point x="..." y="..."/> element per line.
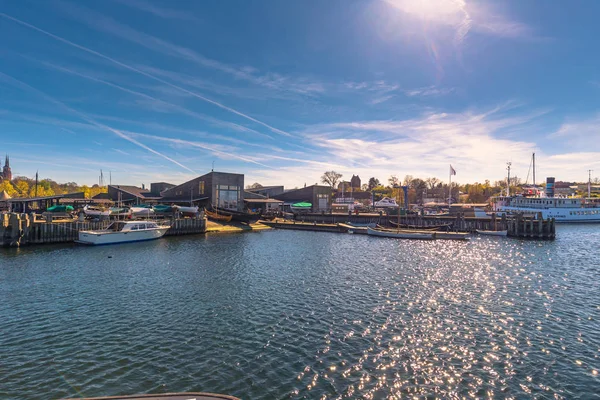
<point x="213" y="166"/>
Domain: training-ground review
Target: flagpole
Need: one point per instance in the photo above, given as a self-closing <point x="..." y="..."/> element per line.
<point x="449" y="186"/>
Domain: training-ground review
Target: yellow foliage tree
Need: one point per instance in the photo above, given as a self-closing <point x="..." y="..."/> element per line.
<point x="22" y="188"/>
<point x="10" y="189"/>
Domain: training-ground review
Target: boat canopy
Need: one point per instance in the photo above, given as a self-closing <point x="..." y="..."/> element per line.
<point x="60" y="208"/>
<point x="302" y="204"/>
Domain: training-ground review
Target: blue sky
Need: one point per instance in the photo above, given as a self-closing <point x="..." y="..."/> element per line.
<point x="285" y="90"/>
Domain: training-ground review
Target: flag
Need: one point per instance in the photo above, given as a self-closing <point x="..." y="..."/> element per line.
<point x="452" y="170"/>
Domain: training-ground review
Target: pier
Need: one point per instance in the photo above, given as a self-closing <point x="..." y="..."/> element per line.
<point x="25" y="229"/>
<point x="525" y="226"/>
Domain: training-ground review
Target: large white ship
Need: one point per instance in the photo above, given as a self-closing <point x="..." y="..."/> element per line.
<point x="562" y="209"/>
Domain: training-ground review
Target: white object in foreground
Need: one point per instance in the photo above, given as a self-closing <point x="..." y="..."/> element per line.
<point x="123" y="232"/>
<point x="492" y="233"/>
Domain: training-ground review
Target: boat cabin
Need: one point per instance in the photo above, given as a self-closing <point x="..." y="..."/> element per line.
<point x="122" y="226"/>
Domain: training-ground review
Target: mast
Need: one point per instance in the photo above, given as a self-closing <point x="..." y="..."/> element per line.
<point x="508" y="164"/>
<point x="534" y="184"/>
<point x="589" y="183"/>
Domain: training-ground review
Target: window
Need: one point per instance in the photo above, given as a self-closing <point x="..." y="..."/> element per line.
<point x="201" y="187"/>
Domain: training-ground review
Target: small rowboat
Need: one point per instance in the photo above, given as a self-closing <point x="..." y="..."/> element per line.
<point x="218" y="217"/>
<point x="398" y="234"/>
<point x="493" y="233"/>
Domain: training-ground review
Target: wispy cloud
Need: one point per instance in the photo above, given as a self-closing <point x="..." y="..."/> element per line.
<point x="86" y="118"/>
<point x="428" y="91"/>
<point x="162" y="12"/>
<point x="131" y="68"/>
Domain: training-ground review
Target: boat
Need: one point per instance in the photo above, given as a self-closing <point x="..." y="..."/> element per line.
<point x="218" y="217"/>
<point x="92" y="211"/>
<point x="545" y="203"/>
<point x="302" y="206"/>
<point x="123" y="232"/>
<point x="120" y="212"/>
<point x="492" y="233"/>
<point x="162" y="208"/>
<point x="166" y="396"/>
<point x="423" y="227"/>
<point x="140" y="211"/>
<point x="186" y="210"/>
<point x="386" y="202"/>
<point x="60" y="209"/>
<point x="398" y="234"/>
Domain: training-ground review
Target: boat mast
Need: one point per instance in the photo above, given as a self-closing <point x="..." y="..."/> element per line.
<point x="534" y="184"/>
<point x="589" y="183"/>
<point x="508" y="164"/>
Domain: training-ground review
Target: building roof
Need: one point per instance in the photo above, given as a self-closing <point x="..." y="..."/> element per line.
<point x="102" y="196"/>
<point x="30" y="199"/>
<point x="264" y="187"/>
<point x="265" y="200"/>
<point x="132" y="190"/>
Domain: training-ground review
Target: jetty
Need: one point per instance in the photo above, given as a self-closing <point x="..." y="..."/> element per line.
<point x="26" y="229"/>
<point x="524" y="226"/>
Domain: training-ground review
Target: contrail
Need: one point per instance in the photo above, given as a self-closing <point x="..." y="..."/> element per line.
<point x="139" y="71"/>
<point x="92" y="121"/>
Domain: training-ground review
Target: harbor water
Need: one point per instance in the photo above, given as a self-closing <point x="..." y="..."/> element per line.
<point x="304" y="315"/>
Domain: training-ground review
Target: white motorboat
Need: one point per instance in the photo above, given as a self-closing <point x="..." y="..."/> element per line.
<point x="123" y="232"/>
<point x="492" y="233"/>
<point x="92" y="211"/>
<point x="398" y="234"/>
<point x="386" y="202"/>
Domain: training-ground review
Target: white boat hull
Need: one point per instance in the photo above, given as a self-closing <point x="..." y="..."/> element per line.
<point x="399" y="234"/>
<point x="95" y="213"/>
<point x="560" y="214"/>
<point x="108" y="237"/>
<point x="187" y="210"/>
<point x="493" y="233"/>
<point x="142" y="211"/>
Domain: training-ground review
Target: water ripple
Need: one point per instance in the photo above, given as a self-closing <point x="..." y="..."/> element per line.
<point x="301" y="315"/>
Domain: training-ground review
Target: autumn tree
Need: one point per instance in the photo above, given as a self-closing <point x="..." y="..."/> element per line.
<point x="432" y="182"/>
<point x="393" y="181"/>
<point x="8" y="187"/>
<point x="331" y="178"/>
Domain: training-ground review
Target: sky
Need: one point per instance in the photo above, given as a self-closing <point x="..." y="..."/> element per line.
<point x="283" y="91"/>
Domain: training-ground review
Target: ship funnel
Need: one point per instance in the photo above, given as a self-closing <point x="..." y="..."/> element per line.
<point x="549" y="187"/>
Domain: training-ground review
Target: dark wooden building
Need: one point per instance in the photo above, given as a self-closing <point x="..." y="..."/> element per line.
<point x="220" y="189"/>
<point x="319" y="196"/>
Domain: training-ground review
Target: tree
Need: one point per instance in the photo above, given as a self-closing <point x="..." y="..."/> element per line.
<point x="331" y="178"/>
<point x="407" y="180"/>
<point x="10" y="189"/>
<point x="255" y="185"/>
<point x="432" y="182"/>
<point x="22" y="188"/>
<point x="365" y="187"/>
<point x="393" y="181"/>
<point x="373" y="182"/>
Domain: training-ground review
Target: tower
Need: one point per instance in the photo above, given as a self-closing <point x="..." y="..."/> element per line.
<point x="6" y="172"/>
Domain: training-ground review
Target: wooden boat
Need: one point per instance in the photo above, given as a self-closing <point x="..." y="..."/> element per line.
<point x="167" y="396"/>
<point x="218" y="217"/>
<point x="492" y="233"/>
<point x="123" y="232"/>
<point x="398" y="234"/>
<point x="429" y="227"/>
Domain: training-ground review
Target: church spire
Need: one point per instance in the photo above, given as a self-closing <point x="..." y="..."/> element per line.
<point x="7" y="161"/>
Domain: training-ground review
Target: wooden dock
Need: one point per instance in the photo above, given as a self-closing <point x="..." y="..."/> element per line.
<point x="526" y="226"/>
<point x="24" y="229"/>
